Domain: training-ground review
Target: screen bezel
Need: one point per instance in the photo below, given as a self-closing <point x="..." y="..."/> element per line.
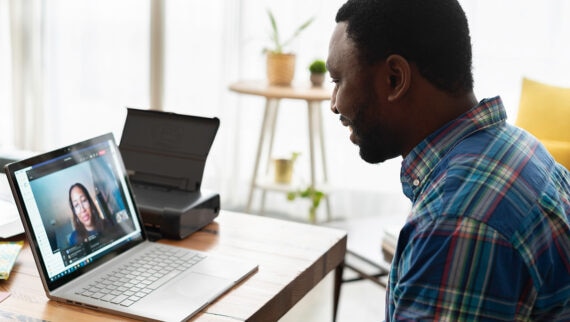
<point x="13" y="168"/>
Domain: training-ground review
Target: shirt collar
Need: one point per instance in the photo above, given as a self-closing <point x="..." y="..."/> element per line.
<point x="420" y="162"/>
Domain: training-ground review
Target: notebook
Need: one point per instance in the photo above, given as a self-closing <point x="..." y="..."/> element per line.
<point x="84" y="230"/>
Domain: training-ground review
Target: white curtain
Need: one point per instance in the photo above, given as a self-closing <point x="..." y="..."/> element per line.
<point x="6" y="132"/>
<point x="22" y="45"/>
<point x="72" y="66"/>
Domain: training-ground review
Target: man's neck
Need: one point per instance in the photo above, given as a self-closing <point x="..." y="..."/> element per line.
<point x="434" y="108"/>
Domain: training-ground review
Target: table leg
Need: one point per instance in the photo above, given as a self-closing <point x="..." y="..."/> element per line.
<point x="312" y="107"/>
<point x="316" y="133"/>
<point x="319" y="118"/>
<point x="274" y="107"/>
<point x="274" y="111"/>
<point x="337" y="284"/>
<point x="267" y="127"/>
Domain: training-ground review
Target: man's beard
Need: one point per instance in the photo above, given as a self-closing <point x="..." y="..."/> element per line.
<point x="375" y="144"/>
<point x="371" y="147"/>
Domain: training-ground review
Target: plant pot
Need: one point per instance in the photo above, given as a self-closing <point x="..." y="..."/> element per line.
<point x="280" y="68"/>
<point x="317" y="79"/>
<point x="283" y="170"/>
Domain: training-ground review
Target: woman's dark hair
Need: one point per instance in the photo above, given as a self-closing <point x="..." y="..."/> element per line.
<point x="97" y="220"/>
<point x="433" y="34"/>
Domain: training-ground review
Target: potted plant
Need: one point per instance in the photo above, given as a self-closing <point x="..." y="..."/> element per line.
<point x="318" y="68"/>
<point x="284" y="168"/>
<point x="314" y="195"/>
<point x="280" y="63"/>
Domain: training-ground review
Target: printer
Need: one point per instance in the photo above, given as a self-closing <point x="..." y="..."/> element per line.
<point x="165" y="155"/>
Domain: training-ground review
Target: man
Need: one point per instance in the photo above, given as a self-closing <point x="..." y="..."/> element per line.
<point x="488" y="236"/>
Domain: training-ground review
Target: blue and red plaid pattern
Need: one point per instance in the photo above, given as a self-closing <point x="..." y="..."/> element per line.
<point x="488" y="236"/>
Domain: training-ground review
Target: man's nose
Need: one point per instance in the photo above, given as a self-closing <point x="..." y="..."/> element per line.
<point x="333" y="105"/>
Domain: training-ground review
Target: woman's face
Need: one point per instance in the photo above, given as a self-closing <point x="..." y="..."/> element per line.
<point x="81" y="207"/>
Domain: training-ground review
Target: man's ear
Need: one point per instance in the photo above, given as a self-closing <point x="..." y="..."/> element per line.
<point x="399" y="76"/>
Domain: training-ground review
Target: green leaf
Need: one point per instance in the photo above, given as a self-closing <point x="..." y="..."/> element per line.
<point x="315" y="196"/>
<point x="291" y="195"/>
<point x="298" y="31"/>
<point x="275" y="33"/>
<point x="276" y="38"/>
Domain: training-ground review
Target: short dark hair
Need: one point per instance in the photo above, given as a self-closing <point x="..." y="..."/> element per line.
<point x="433" y="34"/>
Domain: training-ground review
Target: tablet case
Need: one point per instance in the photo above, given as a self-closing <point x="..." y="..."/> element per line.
<point x="165" y="154"/>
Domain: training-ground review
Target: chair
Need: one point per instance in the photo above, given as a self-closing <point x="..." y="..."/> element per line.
<point x="544" y="111"/>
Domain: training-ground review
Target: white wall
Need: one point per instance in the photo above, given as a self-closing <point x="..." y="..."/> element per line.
<point x="96" y="63"/>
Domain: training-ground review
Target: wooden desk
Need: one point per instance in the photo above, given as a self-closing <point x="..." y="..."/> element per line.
<point x="292" y="259"/>
<point x="273" y="95"/>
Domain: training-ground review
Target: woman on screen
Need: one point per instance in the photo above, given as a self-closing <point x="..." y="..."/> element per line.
<point x="87" y="221"/>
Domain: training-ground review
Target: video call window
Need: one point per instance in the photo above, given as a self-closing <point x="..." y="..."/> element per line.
<point x="82" y="208"/>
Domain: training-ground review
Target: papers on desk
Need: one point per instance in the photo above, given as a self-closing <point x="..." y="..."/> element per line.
<point x="8" y="253"/>
<point x="10" y="223"/>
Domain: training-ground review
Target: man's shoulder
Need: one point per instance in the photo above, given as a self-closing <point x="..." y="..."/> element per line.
<point x="497" y="156"/>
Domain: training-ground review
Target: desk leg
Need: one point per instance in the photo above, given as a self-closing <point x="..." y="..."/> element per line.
<point x="267" y="127"/>
<point x="337" y="284"/>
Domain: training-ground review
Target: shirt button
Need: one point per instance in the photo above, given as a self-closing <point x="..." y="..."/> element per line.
<point x="416" y="182"/>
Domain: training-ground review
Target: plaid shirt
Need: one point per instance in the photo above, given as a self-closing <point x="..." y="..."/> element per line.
<point x="488" y="237"/>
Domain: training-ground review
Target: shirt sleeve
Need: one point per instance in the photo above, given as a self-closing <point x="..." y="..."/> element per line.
<point x="459" y="269"/>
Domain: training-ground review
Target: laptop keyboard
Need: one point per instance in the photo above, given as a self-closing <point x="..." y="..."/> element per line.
<point x="133" y="281"/>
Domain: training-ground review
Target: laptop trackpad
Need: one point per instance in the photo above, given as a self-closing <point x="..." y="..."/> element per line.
<point x="199" y="286"/>
<point x="183" y="297"/>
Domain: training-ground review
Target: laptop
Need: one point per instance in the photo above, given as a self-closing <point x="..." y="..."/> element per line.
<point x="89" y="243"/>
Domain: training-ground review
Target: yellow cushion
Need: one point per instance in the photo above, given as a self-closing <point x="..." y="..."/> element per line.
<point x="544" y="111"/>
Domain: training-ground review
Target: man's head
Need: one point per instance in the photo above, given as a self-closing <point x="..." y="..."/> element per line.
<point x="388" y="58"/>
<point x="432" y="34"/>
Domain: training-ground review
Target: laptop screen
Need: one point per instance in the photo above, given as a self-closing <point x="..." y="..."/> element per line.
<point x="77" y="206"/>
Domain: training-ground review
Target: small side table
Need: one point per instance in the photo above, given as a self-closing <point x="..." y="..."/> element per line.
<point x="273" y="95"/>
